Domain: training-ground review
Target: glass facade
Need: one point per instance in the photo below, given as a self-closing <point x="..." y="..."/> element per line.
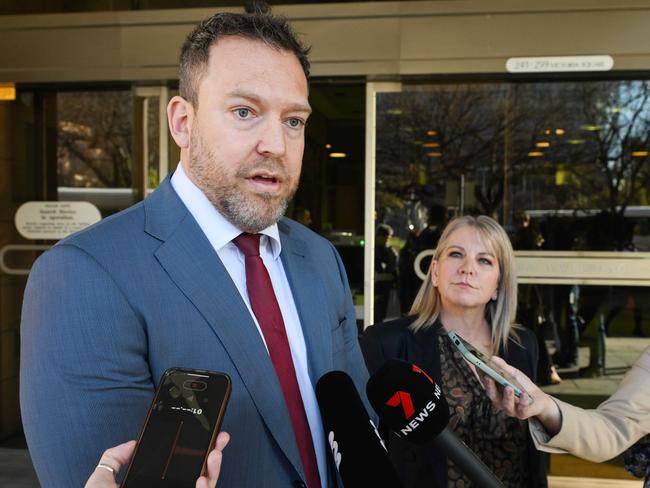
<point x="95" y="139"/>
<point x="562" y="165"/>
<point x="563" y="149"/>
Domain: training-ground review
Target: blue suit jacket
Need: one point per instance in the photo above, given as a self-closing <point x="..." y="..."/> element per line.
<point x="108" y="310"/>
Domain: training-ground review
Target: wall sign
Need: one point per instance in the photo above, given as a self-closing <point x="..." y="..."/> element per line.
<point x="54" y="220"/>
<point x="559" y="64"/>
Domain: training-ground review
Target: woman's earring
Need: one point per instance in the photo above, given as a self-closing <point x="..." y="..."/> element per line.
<point x="495" y="296"/>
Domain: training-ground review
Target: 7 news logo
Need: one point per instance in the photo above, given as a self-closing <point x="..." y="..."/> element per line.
<point x="403" y="399"/>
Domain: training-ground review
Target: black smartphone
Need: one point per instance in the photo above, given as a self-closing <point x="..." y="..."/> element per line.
<point x="180" y="429"/>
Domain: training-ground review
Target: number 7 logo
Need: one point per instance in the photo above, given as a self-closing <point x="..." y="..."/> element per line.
<point x="404" y="399"/>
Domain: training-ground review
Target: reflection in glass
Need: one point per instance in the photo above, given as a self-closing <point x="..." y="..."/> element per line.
<point x="151" y="110"/>
<point x="505" y="149"/>
<point x="94" y="139"/>
<point x="561" y="165"/>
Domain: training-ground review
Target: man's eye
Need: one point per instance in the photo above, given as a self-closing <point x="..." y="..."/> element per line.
<point x="295" y="123"/>
<point x="243" y="113"/>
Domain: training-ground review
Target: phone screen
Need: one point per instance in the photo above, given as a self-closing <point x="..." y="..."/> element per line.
<point x="181" y="426"/>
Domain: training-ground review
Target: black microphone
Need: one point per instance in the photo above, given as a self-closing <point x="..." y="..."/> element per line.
<point x="411" y="404"/>
<point x="357" y="449"/>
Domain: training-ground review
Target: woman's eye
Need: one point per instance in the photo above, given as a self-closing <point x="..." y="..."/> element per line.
<point x="455" y="254"/>
<point x="485" y="261"/>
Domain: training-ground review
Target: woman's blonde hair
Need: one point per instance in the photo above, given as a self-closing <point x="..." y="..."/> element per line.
<point x="500" y="313"/>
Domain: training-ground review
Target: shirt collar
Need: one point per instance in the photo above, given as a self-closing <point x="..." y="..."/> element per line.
<point x="219" y="230"/>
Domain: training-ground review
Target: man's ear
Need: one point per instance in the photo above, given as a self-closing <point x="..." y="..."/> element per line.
<point x="180" y="114"/>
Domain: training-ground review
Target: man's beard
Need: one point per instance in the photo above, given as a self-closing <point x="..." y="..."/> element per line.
<point x="249" y="213"/>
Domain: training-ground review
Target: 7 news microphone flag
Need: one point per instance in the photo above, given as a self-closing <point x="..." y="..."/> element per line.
<point x="411" y="404"/>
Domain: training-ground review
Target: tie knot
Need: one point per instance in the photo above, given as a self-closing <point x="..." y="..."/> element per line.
<point x="249" y="244"/>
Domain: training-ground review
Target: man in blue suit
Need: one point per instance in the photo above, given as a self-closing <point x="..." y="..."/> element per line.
<point x="161" y="284"/>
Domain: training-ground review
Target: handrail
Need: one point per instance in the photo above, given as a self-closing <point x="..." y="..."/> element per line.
<point x="18" y="247"/>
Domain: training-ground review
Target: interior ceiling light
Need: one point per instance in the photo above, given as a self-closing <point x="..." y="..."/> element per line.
<point x="591" y="128"/>
<point x="394" y="111"/>
<point x="576" y="141"/>
<point x="7" y="91"/>
<point x="432" y="132"/>
<point x="547" y="132"/>
<point x="559" y="132"/>
<point x="337" y="155"/>
<point x="431" y="144"/>
<point x="328" y="146"/>
<point x="434" y="154"/>
<point x="640" y="154"/>
<point x="535" y="154"/>
<point x="543" y="144"/>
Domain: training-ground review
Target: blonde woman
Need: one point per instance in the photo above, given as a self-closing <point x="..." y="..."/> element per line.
<point x="471" y="288"/>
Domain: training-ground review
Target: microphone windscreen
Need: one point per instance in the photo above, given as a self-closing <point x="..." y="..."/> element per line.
<point x="358" y="451"/>
<point x="408" y="401"/>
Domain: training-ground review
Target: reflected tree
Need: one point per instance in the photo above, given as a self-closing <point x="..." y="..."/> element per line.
<point x="431" y="141"/>
<point x="95" y="131"/>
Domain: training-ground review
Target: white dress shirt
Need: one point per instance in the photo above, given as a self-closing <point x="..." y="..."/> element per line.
<point x="220" y="232"/>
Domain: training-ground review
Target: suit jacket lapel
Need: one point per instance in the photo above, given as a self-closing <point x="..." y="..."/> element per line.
<point x="194" y="266"/>
<point x="308" y="295"/>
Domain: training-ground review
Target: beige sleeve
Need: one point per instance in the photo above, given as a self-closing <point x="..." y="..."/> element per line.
<point x="617" y="423"/>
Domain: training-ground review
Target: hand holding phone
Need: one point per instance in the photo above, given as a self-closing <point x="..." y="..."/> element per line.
<point x="484" y="364"/>
<point x="180" y="430"/>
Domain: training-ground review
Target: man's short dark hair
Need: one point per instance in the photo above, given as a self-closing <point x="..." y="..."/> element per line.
<point x="258" y="24"/>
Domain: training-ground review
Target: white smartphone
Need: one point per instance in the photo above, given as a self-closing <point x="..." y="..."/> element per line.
<point x="478" y="359"/>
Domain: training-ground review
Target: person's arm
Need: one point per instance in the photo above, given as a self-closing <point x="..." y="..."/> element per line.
<point x="84" y="378"/>
<point x="116" y="457"/>
<point x="595" y="435"/>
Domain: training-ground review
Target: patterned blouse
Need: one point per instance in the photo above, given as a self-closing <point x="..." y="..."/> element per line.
<point x="500" y="441"/>
<point x="637" y="460"/>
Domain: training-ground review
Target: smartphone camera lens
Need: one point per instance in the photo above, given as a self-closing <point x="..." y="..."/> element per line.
<point x="195" y="385"/>
<point x="174" y="392"/>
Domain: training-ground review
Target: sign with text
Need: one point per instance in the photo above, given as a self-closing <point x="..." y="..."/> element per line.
<point x="54" y="220"/>
<point x="608" y="268"/>
<point x="559" y="64"/>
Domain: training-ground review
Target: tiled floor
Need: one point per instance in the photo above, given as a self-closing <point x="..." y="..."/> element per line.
<point x="16" y="472"/>
<point x="622" y="352"/>
<point x="571" y="482"/>
<point x="16" y="469"/>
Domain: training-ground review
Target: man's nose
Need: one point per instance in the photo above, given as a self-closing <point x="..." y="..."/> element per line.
<point x="272" y="139"/>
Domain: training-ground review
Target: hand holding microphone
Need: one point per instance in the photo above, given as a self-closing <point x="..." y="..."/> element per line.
<point x="409" y="402"/>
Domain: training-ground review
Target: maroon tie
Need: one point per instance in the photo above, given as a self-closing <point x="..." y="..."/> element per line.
<point x="267" y="311"/>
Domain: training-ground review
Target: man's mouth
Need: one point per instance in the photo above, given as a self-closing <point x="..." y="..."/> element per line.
<point x="267" y="182"/>
<point x="265" y="178"/>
